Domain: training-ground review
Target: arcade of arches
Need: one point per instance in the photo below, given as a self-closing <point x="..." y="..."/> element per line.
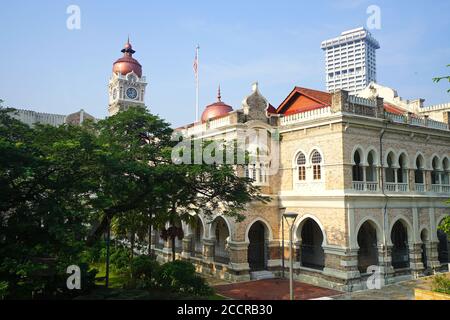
<point x="210" y="246"/>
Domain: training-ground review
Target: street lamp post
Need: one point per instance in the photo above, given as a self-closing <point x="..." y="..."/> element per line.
<point x="292" y="217"/>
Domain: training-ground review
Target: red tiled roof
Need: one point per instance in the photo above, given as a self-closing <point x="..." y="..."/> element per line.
<point x="394" y="109"/>
<point x="321" y="99"/>
<point x="320" y="96"/>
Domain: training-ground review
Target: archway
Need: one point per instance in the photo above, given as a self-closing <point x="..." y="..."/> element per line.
<point x="371" y="170"/>
<point x="400" y="250"/>
<point x="419" y="173"/>
<point x="357" y="167"/>
<point x="197" y="239"/>
<point x="390" y="169"/>
<point x="424" y="238"/>
<point x="178" y="243"/>
<point x="222" y="235"/>
<point x="368" y="249"/>
<point x="257" y="251"/>
<point x="443" y="247"/>
<point x="312" y="254"/>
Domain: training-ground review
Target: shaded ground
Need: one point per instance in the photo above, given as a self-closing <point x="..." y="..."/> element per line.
<point x="117" y="290"/>
<point x="398" y="291"/>
<point x="272" y="289"/>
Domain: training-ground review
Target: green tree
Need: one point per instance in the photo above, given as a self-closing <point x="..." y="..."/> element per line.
<point x="44" y="188"/>
<point x="445" y="225"/>
<point x="438" y="79"/>
<point x="189" y="189"/>
<point x="61" y="187"/>
<point x="139" y="176"/>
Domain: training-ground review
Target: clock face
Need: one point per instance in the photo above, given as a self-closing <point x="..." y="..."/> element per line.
<point x="131" y="93"/>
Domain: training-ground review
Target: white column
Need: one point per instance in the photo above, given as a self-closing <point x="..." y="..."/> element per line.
<point x="364" y="167"/>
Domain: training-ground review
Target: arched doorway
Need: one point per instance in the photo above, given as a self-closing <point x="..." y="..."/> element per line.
<point x="424" y="238"/>
<point x="197" y="239"/>
<point x="443" y="247"/>
<point x="400" y="250"/>
<point x="368" y="249"/>
<point x="257" y="247"/>
<point x="222" y="234"/>
<point x="312" y="254"/>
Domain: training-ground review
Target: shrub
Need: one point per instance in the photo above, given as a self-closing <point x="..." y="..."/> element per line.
<point x="143" y="272"/>
<point x="180" y="276"/>
<point x="87" y="277"/>
<point x="94" y="253"/>
<point x="3" y="289"/>
<point x="120" y="259"/>
<point x="441" y="284"/>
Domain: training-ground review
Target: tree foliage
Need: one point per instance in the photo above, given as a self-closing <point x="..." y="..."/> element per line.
<point x="445" y="225"/>
<point x="60" y="187"/>
<point x="438" y="79"/>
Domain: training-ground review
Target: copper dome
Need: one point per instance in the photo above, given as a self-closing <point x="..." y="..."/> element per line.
<point x="127" y="63"/>
<point x="217" y="109"/>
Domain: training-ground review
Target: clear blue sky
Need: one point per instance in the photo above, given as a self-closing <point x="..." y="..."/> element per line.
<point x="46" y="67"/>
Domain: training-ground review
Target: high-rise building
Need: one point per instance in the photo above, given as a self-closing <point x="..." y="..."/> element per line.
<point x="350" y="60"/>
<point x="127" y="84"/>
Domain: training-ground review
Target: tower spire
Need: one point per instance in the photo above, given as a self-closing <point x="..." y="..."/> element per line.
<point x="219" y="97"/>
<point x="128" y="48"/>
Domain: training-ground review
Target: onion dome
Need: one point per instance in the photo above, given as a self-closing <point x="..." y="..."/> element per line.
<point x="127" y="63"/>
<point x="217" y="109"/>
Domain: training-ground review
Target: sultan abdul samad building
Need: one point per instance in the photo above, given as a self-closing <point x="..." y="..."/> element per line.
<point x="367" y="174"/>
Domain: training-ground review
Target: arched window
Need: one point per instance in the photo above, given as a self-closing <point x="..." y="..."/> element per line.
<point x="446" y="174"/>
<point x="301" y="169"/>
<point x="390" y="171"/>
<point x="371" y="173"/>
<point x="402" y="174"/>
<point x="418" y="173"/>
<point x="435" y="174"/>
<point x="316" y="160"/>
<point x="357" y="167"/>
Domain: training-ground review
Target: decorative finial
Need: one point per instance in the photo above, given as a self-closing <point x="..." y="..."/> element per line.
<point x="128" y="48"/>
<point x="218" y="94"/>
<point x="255" y="87"/>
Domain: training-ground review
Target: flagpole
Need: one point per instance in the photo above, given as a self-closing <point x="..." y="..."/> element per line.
<point x="197" y="87"/>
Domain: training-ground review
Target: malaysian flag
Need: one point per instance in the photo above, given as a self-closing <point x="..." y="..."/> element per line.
<point x="196" y="82"/>
<point x="196" y="63"/>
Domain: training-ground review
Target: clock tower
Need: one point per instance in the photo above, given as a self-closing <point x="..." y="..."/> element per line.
<point x="126" y="85"/>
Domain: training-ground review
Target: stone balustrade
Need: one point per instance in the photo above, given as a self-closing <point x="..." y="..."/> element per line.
<point x="435" y="107"/>
<point x="417" y="121"/>
<point x="305" y="116"/>
<point x="362" y="101"/>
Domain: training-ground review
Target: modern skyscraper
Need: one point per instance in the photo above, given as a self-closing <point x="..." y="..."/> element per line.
<point x="350" y="60"/>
